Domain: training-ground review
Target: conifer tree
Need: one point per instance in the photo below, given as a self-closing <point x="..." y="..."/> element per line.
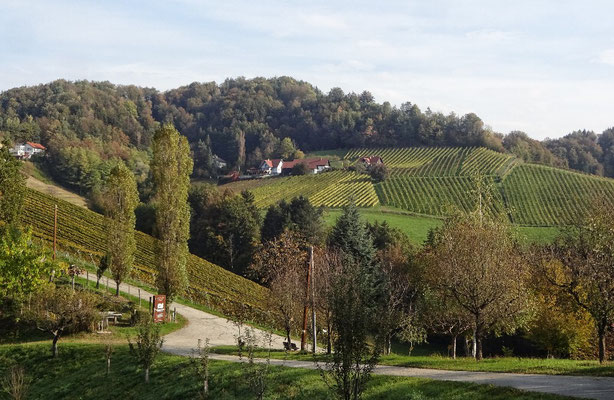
<point x="171" y="168"/>
<point x="351" y="236"/>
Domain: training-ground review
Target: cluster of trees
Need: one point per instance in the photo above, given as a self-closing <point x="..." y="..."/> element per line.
<point x="28" y="273"/>
<point x="472" y="280"/>
<point x="87" y="126"/>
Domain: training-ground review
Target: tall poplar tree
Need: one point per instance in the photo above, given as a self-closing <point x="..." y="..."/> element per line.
<point x="12" y="187"/>
<point x="120" y="199"/>
<point x="171" y="168"/>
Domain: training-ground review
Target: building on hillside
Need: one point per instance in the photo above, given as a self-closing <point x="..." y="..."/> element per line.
<point x="218" y="162"/>
<point x="27" y="150"/>
<point x="314" y="165"/>
<point x="271" y="167"/>
<point x="371" y="161"/>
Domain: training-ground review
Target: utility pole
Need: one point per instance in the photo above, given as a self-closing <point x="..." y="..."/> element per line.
<point x="55" y="228"/>
<point x="304" y="335"/>
<point x="55" y="231"/>
<point x="313" y="299"/>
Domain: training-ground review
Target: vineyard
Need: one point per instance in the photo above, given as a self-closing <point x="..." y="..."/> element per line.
<point x="81" y="232"/>
<point x="329" y="189"/>
<point x="539" y="195"/>
<point x="438" y="161"/>
<point x="434" y="195"/>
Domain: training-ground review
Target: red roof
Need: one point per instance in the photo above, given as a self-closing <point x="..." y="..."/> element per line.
<point x="372" y="160"/>
<point x="36" y="145"/>
<point x="272" y="163"/>
<point x="312" y="163"/>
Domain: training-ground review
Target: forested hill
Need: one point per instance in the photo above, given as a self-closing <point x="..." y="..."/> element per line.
<point x="87" y="125"/>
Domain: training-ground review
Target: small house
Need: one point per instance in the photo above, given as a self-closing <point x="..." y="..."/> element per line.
<point x="314" y="165"/>
<point x="218" y="162"/>
<point x="371" y="161"/>
<point x="27" y="150"/>
<point x="271" y="167"/>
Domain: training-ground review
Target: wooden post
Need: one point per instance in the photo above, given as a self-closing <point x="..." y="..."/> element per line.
<point x="87" y="280"/>
<point x="313" y="300"/>
<point x="139" y="297"/>
<point x="55" y="228"/>
<point x="107" y="283"/>
<point x="304" y="335"/>
<point x="174" y="314"/>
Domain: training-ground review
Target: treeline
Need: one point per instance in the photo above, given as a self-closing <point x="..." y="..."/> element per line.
<point x="86" y="125"/>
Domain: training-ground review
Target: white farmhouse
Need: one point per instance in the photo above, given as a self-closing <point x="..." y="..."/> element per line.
<point x="271" y="167"/>
<point x="27" y="150"/>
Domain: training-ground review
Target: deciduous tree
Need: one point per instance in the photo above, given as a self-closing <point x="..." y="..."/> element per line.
<point x="120" y="200"/>
<point x="476" y="263"/>
<point x="24" y="268"/>
<point x="58" y="309"/>
<point x="282" y="265"/>
<point x="171" y="168"/>
<point x="12" y="187"/>
<point x="146" y="346"/>
<point x="586" y="273"/>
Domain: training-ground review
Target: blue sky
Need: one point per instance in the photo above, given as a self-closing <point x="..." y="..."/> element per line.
<point x="544" y="67"/>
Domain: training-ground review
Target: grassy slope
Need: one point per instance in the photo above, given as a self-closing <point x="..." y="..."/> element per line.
<point x="417" y="227"/>
<point x="79" y="373"/>
<point x="81" y="232"/>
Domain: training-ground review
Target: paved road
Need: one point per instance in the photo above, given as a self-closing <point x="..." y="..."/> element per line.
<point x="220" y="331"/>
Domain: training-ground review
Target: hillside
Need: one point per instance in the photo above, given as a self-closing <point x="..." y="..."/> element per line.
<point x="429" y="181"/>
<point x="81" y="232"/>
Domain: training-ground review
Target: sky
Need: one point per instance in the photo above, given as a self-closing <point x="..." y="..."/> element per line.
<point x="543" y="67"/>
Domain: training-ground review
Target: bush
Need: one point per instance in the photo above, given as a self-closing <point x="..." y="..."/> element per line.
<point x="300" y="169"/>
<point x="379" y="172"/>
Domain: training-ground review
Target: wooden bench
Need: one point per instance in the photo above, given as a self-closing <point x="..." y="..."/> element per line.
<point x="290" y="346"/>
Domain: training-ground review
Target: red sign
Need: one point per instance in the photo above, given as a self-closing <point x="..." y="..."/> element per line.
<point x="159" y="308"/>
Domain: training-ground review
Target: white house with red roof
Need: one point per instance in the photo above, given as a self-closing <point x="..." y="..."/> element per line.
<point x="27" y="150"/>
<point x="371" y="160"/>
<point x="271" y="167"/>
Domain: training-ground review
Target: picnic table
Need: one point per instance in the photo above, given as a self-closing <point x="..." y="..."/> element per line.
<point x="106" y="317"/>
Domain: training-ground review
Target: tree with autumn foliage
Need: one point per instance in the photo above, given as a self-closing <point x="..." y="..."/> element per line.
<point x="281" y="265"/>
<point x="475" y="262"/>
<point x="585" y="270"/>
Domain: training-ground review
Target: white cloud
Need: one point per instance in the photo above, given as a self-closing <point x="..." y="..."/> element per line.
<point x="606" y="57"/>
<point x="517" y="65"/>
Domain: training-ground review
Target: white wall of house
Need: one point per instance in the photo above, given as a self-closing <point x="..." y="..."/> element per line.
<point x="25" y="150"/>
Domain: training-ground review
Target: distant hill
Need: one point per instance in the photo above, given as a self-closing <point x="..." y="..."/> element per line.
<point x="429" y="181"/>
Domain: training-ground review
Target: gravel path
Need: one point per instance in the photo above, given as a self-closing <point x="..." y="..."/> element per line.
<point x="220" y="331"/>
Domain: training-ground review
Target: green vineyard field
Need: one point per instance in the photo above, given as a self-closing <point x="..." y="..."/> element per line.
<point x="81" y="232"/>
<point x="433" y="195"/>
<point x="434" y="180"/>
<point x="538" y="195"/>
<point x="329" y="189"/>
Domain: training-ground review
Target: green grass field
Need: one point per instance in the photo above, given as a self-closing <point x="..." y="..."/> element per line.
<point x="518" y="365"/>
<point x="417" y="227"/>
<point x="79" y="373"/>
